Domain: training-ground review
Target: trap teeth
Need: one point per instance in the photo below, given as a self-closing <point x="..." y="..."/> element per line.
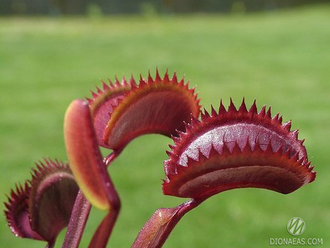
<point x="258" y="147"/>
<point x="164" y="104"/>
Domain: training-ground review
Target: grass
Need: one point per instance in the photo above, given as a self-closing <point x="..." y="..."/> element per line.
<point x="282" y="59"/>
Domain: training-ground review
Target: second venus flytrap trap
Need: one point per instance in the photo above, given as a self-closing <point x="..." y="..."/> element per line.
<point x="213" y="151"/>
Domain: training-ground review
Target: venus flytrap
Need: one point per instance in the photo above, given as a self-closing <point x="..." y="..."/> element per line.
<point x="42" y="207"/>
<point x="221" y="150"/>
<point x="120" y="112"/>
<point x="228" y="150"/>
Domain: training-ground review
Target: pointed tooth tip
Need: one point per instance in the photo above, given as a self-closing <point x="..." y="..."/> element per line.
<point x="169" y="153"/>
<point x="280" y="119"/>
<point x="243" y="108"/>
<point x="295" y="133"/>
<point x="213" y="111"/>
<point x="166" y="76"/>
<point x="182" y="84"/>
<point x="89" y="100"/>
<point x="193" y="88"/>
<point x="116" y="80"/>
<point x="105" y="85"/>
<point x="180" y="132"/>
<point x="93" y="94"/>
<point x="141" y="81"/>
<point x="175" y="138"/>
<point x="171" y="146"/>
<point x="132" y="79"/>
<point x="187" y="126"/>
<point x="111" y="83"/>
<point x="253" y="109"/>
<point x="174" y="78"/>
<point x="194" y="120"/>
<point x="231" y="102"/>
<point x="277" y="119"/>
<point x="222" y="108"/>
<point x="158" y="78"/>
<point x="287" y="126"/>
<point x="205" y="114"/>
<point x="150" y="79"/>
<point x="269" y="113"/>
<point x="262" y="112"/>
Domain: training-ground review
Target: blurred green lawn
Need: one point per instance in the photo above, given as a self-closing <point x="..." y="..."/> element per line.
<point x="282" y="59"/>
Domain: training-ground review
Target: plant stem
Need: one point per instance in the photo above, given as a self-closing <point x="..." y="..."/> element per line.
<point x="111" y="157"/>
<point x="157" y="229"/>
<point x="80" y="214"/>
<point x="103" y="232"/>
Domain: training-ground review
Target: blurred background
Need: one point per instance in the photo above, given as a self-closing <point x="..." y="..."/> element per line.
<point x="275" y="51"/>
<point x="111" y="7"/>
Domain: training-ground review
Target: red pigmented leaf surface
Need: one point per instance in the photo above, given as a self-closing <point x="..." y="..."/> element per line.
<point x="52" y="195"/>
<point x="42" y="208"/>
<point x="104" y="100"/>
<point x="84" y="155"/>
<point x="89" y="170"/>
<point x="157" y="105"/>
<point x="17" y="213"/>
<point x="160" y="225"/>
<point x="156" y="228"/>
<point x="236" y="148"/>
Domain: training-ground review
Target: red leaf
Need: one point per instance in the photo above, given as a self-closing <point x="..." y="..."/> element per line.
<point x="236" y="149"/>
<point x="154" y="106"/>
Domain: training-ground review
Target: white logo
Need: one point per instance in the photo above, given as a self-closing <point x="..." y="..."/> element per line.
<point x="296" y="226"/>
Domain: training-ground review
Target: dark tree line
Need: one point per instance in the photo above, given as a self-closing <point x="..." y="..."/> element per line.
<point x="111" y="7"/>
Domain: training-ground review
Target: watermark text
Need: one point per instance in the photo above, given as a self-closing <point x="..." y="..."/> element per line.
<point x="296" y="241"/>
